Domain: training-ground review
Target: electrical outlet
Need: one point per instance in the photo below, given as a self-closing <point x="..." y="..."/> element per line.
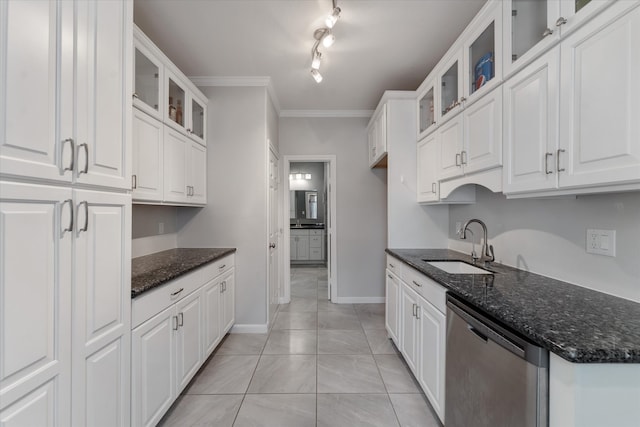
<point x="161" y="228"/>
<point x="601" y="242"/>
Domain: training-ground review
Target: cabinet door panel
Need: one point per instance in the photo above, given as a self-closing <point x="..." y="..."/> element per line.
<point x="408" y="327"/>
<point x="103" y="88"/>
<point x="432" y="355"/>
<point x="391" y="307"/>
<point x="428" y="186"/>
<point x="147" y="157"/>
<point x="152" y="368"/>
<point x="228" y="300"/>
<point x="302" y="248"/>
<point x="36" y="302"/>
<point x="531" y="126"/>
<point x="188" y="340"/>
<point x="450" y="136"/>
<point x="104" y="370"/>
<point x="198" y="173"/>
<point x="35" y="409"/>
<point x="483" y="133"/>
<point x="30" y="143"/>
<point x="176" y="149"/>
<point x="601" y="94"/>
<point x="212" y="316"/>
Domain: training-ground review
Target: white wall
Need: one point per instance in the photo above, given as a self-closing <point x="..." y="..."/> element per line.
<point x="548" y="236"/>
<point x="145" y="229"/>
<point x="410" y="225"/>
<point x="236" y="212"/>
<point x="361" y="220"/>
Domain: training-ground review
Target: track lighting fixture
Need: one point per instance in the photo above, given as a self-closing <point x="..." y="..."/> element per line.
<point x="325" y="36"/>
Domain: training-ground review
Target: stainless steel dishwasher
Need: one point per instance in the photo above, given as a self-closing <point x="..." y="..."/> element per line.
<point x="494" y="378"/>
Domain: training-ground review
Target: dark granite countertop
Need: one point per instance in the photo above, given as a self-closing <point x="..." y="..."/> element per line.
<point x="307" y="227"/>
<point x="153" y="270"/>
<point x="578" y="324"/>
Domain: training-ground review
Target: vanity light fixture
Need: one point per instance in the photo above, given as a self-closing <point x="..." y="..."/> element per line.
<point x="325" y="36"/>
<point x="299" y="176"/>
<point x="307" y="176"/>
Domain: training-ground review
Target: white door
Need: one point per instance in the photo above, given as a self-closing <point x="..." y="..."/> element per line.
<point x="450" y="140"/>
<point x="197" y="173"/>
<point x="176" y="149"/>
<point x="103" y="90"/>
<point x="152" y="362"/>
<point x="330" y="226"/>
<point x="102" y="308"/>
<point x="211" y="316"/>
<point x="432" y="329"/>
<point x="35" y="284"/>
<point x="274" y="235"/>
<point x="427" y="158"/>
<point x="483" y="133"/>
<point x="391" y="307"/>
<point x="188" y="339"/>
<point x="531" y="126"/>
<point x="600" y="100"/>
<point x="147" y="157"/>
<point x="228" y="301"/>
<point x="31" y="141"/>
<point x="408" y="326"/>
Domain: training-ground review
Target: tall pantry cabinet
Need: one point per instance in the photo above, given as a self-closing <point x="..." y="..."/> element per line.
<point x="65" y="213"/>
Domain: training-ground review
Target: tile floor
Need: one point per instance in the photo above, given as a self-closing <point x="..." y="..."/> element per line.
<point x="322" y="364"/>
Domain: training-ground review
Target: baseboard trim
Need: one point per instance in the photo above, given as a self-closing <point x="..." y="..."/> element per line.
<point x="359" y="300"/>
<point x="283" y="301"/>
<point x="249" y="329"/>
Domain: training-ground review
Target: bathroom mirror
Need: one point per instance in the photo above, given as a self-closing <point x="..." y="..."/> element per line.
<point x="303" y="204"/>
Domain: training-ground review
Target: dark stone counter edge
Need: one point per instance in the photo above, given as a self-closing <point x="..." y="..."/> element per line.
<point x="573" y="355"/>
<point x="151" y="284"/>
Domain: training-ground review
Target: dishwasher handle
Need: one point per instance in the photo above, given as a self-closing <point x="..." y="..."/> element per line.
<point x="481" y="326"/>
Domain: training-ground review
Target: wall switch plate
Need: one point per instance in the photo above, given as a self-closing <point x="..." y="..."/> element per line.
<point x="161" y="228"/>
<point x="601" y="242"/>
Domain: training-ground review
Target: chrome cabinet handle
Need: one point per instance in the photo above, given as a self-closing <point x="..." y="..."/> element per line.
<point x="417" y="284"/>
<point x="547" y="32"/>
<point x="73" y="153"/>
<point x="86" y="215"/>
<point x="177" y="292"/>
<point x="463" y="157"/>
<point x="433" y="187"/>
<point x="561" y="21"/>
<point x="417" y="312"/>
<point x="180" y="319"/>
<point x="559" y="169"/>
<point x="391" y="265"/>
<point x="546" y="163"/>
<point x="86" y="153"/>
<point x="175" y="323"/>
<point x="70" y="226"/>
<point x="389" y="276"/>
<point x="135" y="95"/>
<point x="458" y="157"/>
<point x="221" y="287"/>
<point x="224" y="285"/>
<point x="222" y="266"/>
<point x="134" y="182"/>
<point x="462" y="100"/>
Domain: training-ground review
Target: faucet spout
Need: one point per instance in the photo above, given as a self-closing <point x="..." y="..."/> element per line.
<point x="486" y="255"/>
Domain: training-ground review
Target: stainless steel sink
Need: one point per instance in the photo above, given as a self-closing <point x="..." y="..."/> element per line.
<point x="457" y="267"/>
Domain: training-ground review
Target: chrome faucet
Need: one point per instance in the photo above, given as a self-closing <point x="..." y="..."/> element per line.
<point x="486" y="254"/>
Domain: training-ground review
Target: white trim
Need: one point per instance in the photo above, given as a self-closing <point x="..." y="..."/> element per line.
<point x="249" y="329"/>
<point x="327" y="113"/>
<point x="239" y="81"/>
<point x="360" y="300"/>
<point x="283" y="300"/>
<point x="331" y="231"/>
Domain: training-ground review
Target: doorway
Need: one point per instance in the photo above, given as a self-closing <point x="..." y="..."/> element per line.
<point x="310" y="219"/>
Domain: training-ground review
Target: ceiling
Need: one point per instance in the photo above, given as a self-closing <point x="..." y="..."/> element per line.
<point x="380" y="45"/>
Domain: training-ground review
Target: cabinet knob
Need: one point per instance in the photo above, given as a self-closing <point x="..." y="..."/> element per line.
<point x="547" y="32"/>
<point x="561" y="21"/>
<point x="135" y="95"/>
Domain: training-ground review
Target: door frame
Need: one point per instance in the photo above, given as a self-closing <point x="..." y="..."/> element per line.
<point x="330" y="225"/>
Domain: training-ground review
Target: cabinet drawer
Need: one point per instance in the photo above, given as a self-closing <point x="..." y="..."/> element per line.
<point x="147" y="305"/>
<point x="297" y="232"/>
<point x="315" y="241"/>
<point x="394" y="265"/>
<point x="217" y="267"/>
<point x="427" y="288"/>
<point x="315" y="253"/>
<point x="315" y="232"/>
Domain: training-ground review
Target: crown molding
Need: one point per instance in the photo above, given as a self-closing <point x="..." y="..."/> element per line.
<point x="239" y="81"/>
<point x="327" y="113"/>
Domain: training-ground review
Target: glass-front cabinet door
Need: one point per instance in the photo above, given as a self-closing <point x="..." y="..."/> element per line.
<point x="483" y="54"/>
<point x="196" y="126"/>
<point x="147" y="90"/>
<point x="427" y="108"/>
<point x="574" y="13"/>
<point x="450" y="85"/>
<point x="175" y="102"/>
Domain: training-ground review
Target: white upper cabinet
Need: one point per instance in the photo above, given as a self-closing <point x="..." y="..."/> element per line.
<point x="32" y="143"/>
<point x="185" y="110"/>
<point x="148" y="149"/>
<point x="450" y="83"/>
<point x="575" y="13"/>
<point x="196" y="118"/>
<point x="377" y="137"/>
<point x="148" y="84"/>
<point x="427" y="169"/>
<point x="428" y="104"/>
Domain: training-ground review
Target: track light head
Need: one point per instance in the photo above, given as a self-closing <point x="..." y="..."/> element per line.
<point x="328" y="39"/>
<point x="316" y="75"/>
<point x="333" y="18"/>
<point x="315" y="60"/>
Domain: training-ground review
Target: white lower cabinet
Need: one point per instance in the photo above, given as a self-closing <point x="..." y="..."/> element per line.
<point x="419" y="305"/>
<point x="176" y="327"/>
